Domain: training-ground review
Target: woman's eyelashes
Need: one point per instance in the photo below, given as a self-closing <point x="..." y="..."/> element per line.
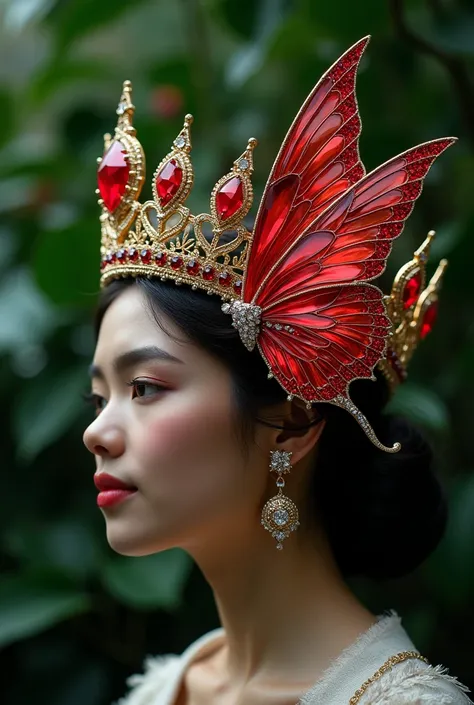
<point x="97" y="402"/>
<point x="144" y="388"/>
<point x="141" y="388"/>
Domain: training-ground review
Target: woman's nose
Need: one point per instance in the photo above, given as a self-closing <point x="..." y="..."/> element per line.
<point x="104" y="439"/>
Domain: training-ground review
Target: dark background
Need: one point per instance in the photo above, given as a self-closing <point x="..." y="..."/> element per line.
<point x="75" y="619"/>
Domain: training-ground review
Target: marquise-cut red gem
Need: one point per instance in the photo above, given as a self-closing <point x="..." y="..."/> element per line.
<point x="122" y="255"/>
<point x="112" y="175"/>
<point x="160" y="258"/>
<point x="133" y="254"/>
<point x="225" y="279"/>
<point x="208" y="273"/>
<point x="110" y="257"/>
<point x="168" y="181"/>
<point x="429" y="319"/>
<point x="145" y="256"/>
<point x="238" y="287"/>
<point x="176" y="262"/>
<point x="229" y="198"/>
<point x="193" y="267"/>
<point x="412" y="291"/>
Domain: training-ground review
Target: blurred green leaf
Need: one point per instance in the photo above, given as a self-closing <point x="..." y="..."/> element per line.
<point x="421" y="405"/>
<point x="56" y="545"/>
<point x="73" y="256"/>
<point x="26" y="316"/>
<point x="27" y="608"/>
<point x="46" y="408"/>
<point x="63" y="74"/>
<point x="8" y="116"/>
<point x="75" y="18"/>
<point x="150" y="581"/>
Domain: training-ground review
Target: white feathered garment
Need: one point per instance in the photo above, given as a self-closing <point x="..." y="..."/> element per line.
<point x="411" y="682"/>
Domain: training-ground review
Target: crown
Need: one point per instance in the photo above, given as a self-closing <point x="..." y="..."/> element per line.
<point x="412" y="308"/>
<point x="161" y="237"/>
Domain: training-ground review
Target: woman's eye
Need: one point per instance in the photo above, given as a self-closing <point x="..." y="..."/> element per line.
<point x="97" y="402"/>
<point x="143" y="388"/>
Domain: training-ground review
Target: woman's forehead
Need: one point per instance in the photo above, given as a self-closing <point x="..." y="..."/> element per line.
<point x="129" y="323"/>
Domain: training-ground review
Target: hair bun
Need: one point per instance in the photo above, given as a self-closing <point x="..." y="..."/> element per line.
<point x="384" y="514"/>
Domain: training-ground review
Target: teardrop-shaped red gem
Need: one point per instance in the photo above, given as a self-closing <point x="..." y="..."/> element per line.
<point x="112" y="175"/>
<point x="229" y="198"/>
<point x="168" y="181"/>
<point x="429" y="319"/>
<point x="412" y="291"/>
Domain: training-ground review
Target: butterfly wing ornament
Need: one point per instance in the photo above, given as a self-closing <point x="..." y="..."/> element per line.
<point x="323" y="230"/>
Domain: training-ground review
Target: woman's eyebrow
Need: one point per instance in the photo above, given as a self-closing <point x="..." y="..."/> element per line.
<point x="133" y="357"/>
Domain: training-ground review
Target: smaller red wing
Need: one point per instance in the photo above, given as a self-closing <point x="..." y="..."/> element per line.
<point x="318" y="342"/>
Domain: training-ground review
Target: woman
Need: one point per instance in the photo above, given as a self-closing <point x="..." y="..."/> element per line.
<point x="202" y="404"/>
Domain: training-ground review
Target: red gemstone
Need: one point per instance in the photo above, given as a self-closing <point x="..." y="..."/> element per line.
<point x="110" y="257"/>
<point x="229" y="198"/>
<point x="429" y="319"/>
<point x="193" y="267"/>
<point x="145" y="256"/>
<point x="112" y="175"/>
<point x="412" y="291"/>
<point x="103" y="264"/>
<point x="176" y="262"/>
<point x="225" y="279"/>
<point x="168" y="181"/>
<point x="238" y="287"/>
<point x="133" y="254"/>
<point x="122" y="255"/>
<point x="208" y="273"/>
<point x="160" y="258"/>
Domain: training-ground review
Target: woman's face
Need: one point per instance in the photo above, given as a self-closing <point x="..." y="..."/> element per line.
<point x="166" y="426"/>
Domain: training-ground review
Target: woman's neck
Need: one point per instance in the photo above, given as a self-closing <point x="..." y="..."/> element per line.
<point x="286" y="614"/>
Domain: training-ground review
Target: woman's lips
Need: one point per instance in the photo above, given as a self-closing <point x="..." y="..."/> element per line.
<point x="111" y="489"/>
<point x="107" y="498"/>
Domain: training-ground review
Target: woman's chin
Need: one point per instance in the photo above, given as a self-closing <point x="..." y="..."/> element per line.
<point x="127" y="543"/>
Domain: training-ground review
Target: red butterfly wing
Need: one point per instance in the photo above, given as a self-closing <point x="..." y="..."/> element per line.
<point x="318" y="160"/>
<point x="352" y="239"/>
<point x="321" y="329"/>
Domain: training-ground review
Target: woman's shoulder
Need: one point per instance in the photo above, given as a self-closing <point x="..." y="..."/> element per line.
<point x="413" y="683"/>
<point x="161" y="676"/>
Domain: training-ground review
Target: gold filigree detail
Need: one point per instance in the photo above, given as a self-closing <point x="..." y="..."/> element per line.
<point x="406" y="321"/>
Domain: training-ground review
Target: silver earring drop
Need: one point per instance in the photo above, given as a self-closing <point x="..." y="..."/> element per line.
<point x="280" y="514"/>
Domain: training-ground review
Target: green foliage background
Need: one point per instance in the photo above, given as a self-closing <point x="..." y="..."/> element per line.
<point x="75" y="619"/>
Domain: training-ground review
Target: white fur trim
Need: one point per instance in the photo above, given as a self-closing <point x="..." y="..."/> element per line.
<point x="415" y="683"/>
<point x="158" y="670"/>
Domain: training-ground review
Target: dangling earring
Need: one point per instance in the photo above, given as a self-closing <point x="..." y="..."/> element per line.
<point x="280" y="514"/>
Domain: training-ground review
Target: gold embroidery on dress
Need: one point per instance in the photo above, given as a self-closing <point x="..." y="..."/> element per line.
<point x="387" y="666"/>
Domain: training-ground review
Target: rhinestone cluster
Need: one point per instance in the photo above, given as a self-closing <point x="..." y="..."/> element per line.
<point x="246" y="318"/>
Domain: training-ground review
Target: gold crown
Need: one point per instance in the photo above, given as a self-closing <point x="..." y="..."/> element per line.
<point x="412" y="308"/>
<point x="161" y="237"/>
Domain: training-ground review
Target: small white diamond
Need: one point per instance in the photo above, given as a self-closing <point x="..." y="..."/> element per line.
<point x="280" y="536"/>
<point x="180" y="141"/>
<point x="278" y="326"/>
<point x="281" y="517"/>
<point x="243" y="163"/>
<point x="121" y="108"/>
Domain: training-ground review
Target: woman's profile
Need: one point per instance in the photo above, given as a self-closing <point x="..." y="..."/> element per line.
<point x="224" y="423"/>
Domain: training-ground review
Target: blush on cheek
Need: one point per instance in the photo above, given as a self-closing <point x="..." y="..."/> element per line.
<point x="183" y="438"/>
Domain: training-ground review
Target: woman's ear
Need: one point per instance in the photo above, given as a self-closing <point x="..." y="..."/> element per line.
<point x="301" y="431"/>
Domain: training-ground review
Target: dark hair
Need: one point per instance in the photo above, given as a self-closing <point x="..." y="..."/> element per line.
<point x="383" y="514"/>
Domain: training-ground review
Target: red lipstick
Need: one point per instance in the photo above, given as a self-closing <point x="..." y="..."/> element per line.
<point x="111" y="490"/>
